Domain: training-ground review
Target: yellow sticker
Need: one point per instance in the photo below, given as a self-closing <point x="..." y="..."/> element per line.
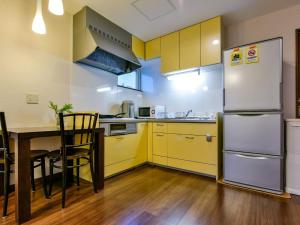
<point x="252" y="54"/>
<point x="236" y="57"/>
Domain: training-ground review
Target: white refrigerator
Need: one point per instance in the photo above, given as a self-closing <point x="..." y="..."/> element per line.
<point x="253" y="125"/>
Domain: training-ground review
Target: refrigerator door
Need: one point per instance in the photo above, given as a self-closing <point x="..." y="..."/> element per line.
<point x="253" y="133"/>
<point x="256" y="86"/>
<point x="257" y="171"/>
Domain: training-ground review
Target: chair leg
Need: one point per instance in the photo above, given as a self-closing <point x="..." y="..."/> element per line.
<point x="43" y="170"/>
<point x="78" y="170"/>
<point x="32" y="175"/>
<point x="93" y="173"/>
<point x="6" y="187"/>
<point x="64" y="181"/>
<point x="50" y="176"/>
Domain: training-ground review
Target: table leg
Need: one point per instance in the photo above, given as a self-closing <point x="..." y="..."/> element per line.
<point x="99" y="159"/>
<point x="22" y="180"/>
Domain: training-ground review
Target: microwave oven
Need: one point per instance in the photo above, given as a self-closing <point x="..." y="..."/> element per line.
<point x="156" y="111"/>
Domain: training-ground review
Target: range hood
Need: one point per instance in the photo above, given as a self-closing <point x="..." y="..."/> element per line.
<point x="102" y="44"/>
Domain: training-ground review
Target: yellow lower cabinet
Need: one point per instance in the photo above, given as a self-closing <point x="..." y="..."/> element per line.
<point x="161" y="160"/>
<point x="118" y="148"/>
<point x="159" y="144"/>
<point x="192" y="148"/>
<point x="118" y="167"/>
<point x="141" y="147"/>
<point x="160" y="127"/>
<point x="193" y="128"/>
<point x="193" y="166"/>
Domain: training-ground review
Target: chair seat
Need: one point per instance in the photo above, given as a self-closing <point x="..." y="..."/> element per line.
<point x="37" y="154"/>
<point x="72" y="153"/>
<point x="34" y="155"/>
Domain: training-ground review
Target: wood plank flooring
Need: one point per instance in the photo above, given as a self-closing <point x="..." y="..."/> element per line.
<point x="157" y="196"/>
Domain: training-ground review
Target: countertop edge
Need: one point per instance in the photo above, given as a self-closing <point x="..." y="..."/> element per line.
<point x="155" y="120"/>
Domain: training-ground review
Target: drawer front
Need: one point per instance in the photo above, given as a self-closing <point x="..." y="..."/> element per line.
<point x="256" y="171"/>
<point x="119" y="148"/>
<point x="192" y="148"/>
<point x="193" y="166"/>
<point x="118" y="167"/>
<point x="160" y="127"/>
<point x="193" y="128"/>
<point x="161" y="160"/>
<point x="253" y="133"/>
<point x="160" y="144"/>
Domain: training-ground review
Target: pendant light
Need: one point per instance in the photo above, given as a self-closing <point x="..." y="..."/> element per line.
<point x="56" y="7"/>
<point x="38" y="24"/>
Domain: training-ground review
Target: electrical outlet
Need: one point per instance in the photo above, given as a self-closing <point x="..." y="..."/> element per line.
<point x="32" y="98"/>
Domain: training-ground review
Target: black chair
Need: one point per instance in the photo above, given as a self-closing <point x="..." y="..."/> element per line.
<point x="77" y="144"/>
<point x="7" y="159"/>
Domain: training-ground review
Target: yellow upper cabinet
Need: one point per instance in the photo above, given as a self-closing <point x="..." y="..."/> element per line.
<point x="138" y="47"/>
<point x="152" y="49"/>
<point x="211" y="41"/>
<point x="170" y="53"/>
<point x="190" y="47"/>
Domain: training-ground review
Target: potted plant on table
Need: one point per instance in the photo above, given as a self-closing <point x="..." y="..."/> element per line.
<point x="66" y="108"/>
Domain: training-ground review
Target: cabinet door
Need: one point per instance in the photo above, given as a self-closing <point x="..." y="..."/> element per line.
<point x="152" y="49"/>
<point x="142" y="144"/>
<point x="211" y="41"/>
<point x="170" y="53"/>
<point x="192" y="148"/>
<point x="138" y="47"/>
<point x="159" y="144"/>
<point x="119" y="148"/>
<point x="190" y="47"/>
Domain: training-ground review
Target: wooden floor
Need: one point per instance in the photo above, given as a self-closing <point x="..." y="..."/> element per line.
<point x="152" y="195"/>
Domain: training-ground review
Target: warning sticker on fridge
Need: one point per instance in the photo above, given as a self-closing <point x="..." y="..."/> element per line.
<point x="236" y="57"/>
<point x="252" y="54"/>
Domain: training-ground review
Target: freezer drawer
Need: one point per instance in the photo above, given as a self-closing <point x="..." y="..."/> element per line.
<point x="256" y="86"/>
<point x="257" y="171"/>
<point x="253" y="133"/>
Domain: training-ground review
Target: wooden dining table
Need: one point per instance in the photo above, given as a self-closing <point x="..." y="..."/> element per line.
<point x="22" y="138"/>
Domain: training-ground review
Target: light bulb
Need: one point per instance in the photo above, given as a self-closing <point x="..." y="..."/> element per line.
<point x="56" y="7"/>
<point x="38" y="24"/>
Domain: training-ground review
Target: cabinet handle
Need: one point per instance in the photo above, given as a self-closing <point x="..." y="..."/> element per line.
<point x="159" y="135"/>
<point x="208" y="138"/>
<point x="160" y="125"/>
<point x="119" y="138"/>
<point x="190" y="138"/>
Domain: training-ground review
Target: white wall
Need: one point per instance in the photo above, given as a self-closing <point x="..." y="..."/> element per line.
<point x="281" y="23"/>
<point x="84" y="83"/>
<point x="179" y="96"/>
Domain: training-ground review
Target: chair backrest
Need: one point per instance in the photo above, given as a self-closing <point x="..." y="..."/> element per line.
<point x="4" y="136"/>
<point x="79" y="132"/>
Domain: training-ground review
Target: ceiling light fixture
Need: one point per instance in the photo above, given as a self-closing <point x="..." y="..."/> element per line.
<point x="38" y="24"/>
<point x="56" y="7"/>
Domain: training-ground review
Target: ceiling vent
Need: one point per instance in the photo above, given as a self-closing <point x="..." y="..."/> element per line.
<point x="154" y="9"/>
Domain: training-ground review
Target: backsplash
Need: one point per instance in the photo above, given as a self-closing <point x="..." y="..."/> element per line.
<point x="84" y="83"/>
<point x="202" y="94"/>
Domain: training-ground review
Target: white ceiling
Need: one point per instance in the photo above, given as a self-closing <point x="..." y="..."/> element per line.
<point x="187" y="12"/>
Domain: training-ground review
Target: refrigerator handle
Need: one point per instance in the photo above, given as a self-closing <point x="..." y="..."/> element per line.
<point x="250" y="157"/>
<point x="223" y="97"/>
<point x="250" y="114"/>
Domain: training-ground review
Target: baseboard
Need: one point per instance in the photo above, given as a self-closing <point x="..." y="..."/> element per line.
<point x="284" y="195"/>
<point x="293" y="191"/>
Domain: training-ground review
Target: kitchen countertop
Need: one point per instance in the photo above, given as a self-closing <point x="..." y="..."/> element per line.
<point x="167" y="120"/>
